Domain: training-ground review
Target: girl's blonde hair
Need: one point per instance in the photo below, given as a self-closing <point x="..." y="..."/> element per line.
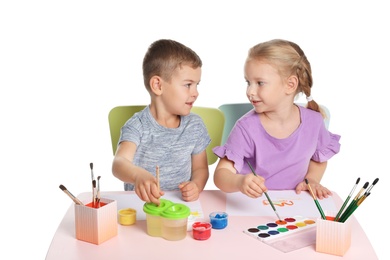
<point x="289" y="59"/>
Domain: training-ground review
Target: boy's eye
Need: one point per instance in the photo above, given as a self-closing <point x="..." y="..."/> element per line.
<point x="188" y="85"/>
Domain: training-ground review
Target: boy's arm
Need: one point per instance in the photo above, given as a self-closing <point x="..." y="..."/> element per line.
<point x="190" y="190"/>
<point x="200" y="170"/>
<point x="124" y="169"/>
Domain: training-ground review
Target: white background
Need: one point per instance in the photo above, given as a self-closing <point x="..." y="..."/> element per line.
<point x="65" y="64"/>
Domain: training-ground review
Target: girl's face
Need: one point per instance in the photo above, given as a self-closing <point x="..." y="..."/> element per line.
<point x="181" y="91"/>
<point x="265" y="87"/>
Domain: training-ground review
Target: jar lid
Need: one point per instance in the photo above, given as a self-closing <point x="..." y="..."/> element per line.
<point x="176" y="211"/>
<point x="153" y="209"/>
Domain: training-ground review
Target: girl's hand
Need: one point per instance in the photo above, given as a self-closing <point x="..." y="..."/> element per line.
<point x="319" y="190"/>
<point x="252" y="186"/>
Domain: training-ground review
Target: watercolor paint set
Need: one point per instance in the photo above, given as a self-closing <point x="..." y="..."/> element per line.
<point x="287" y="234"/>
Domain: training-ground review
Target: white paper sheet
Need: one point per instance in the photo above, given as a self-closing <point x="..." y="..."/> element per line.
<point x="286" y="202"/>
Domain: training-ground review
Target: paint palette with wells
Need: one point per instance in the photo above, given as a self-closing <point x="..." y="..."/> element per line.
<point x="281" y="228"/>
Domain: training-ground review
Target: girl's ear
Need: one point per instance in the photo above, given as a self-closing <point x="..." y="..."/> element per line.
<point x="292" y="84"/>
<point x="156" y="85"/>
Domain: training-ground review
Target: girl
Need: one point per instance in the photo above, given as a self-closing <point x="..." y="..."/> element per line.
<point x="285" y="143"/>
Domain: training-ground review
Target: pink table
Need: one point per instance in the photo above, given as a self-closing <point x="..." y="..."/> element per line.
<point x="132" y="242"/>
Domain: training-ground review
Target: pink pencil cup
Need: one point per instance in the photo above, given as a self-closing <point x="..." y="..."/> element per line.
<point x="333" y="237"/>
<point x="96" y="225"/>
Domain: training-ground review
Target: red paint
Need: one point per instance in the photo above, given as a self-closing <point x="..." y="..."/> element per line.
<point x="97" y="205"/>
<point x="201" y="230"/>
<point x="330" y="218"/>
<point x="291" y="227"/>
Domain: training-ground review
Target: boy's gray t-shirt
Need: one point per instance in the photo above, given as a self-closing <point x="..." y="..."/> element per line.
<point x="169" y="148"/>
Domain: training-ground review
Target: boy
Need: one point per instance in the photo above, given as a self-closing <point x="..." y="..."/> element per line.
<point x="165" y="133"/>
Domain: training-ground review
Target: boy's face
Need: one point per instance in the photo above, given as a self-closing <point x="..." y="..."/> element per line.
<point x="180" y="93"/>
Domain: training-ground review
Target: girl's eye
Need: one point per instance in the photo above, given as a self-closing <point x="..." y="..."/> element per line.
<point x="260" y="83"/>
<point x="188" y="85"/>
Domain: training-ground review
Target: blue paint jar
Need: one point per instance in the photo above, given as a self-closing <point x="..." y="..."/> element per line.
<point x="218" y="220"/>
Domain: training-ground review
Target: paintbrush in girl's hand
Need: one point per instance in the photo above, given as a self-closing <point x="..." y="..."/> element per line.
<point x="76" y="200"/>
<point x="266" y="194"/>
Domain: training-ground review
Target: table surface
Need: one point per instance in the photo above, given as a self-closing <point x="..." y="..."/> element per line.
<point x="134" y="242"/>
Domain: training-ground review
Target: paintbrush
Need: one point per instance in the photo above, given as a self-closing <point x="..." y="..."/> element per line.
<point x="358" y="200"/>
<point x="75" y="199"/>
<point x="315" y="200"/>
<point x="372" y="185"/>
<point x="346" y="201"/>
<point x="354" y="207"/>
<point x="353" y="202"/>
<point x="266" y="194"/>
<point x="93" y="193"/>
<point x="98" y="191"/>
<point x="91" y="166"/>
<point x="158" y="177"/>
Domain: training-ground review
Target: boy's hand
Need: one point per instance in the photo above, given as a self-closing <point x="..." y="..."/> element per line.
<point x="146" y="188"/>
<point x="189" y="191"/>
<point x="252" y="186"/>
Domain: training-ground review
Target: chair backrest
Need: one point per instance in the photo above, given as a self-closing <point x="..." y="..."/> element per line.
<point x="234" y="111"/>
<point x="117" y="118"/>
<point x="213" y="118"/>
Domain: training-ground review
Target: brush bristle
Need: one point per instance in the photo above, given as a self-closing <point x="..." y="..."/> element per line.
<point x="307" y="182"/>
<point x="365" y="185"/>
<point x="98" y="177"/>
<point x="375" y="181"/>
<point x="91" y="166"/>
<point x="357" y="181"/>
<point x="62" y="187"/>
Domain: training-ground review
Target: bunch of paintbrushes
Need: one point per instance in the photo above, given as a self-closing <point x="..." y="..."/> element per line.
<point x="95" y="191"/>
<point x="343" y="215"/>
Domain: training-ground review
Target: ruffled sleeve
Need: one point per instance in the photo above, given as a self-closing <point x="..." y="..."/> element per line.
<point x="328" y="145"/>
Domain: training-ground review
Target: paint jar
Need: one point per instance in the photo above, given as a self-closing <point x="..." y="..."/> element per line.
<point x="333" y="237"/>
<point x="218" y="220"/>
<point x="174" y="222"/>
<point x="127" y="217"/>
<point x="201" y="230"/>
<point x="153" y="218"/>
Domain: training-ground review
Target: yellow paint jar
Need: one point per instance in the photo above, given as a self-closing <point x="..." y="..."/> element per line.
<point x="127" y="216"/>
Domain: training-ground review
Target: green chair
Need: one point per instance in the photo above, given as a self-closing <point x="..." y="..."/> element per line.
<point x="213" y="118"/>
<point x="117" y="118"/>
<point x="234" y="111"/>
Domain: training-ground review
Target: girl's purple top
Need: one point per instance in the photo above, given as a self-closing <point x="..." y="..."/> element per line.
<point x="283" y="163"/>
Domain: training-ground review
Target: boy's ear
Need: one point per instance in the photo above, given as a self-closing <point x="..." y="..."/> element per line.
<point x="292" y="84"/>
<point x="156" y="85"/>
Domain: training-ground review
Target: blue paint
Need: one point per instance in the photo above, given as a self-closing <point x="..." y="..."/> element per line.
<point x="218" y="220"/>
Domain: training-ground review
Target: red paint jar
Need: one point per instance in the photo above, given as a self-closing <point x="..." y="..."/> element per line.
<point x="201" y="230"/>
